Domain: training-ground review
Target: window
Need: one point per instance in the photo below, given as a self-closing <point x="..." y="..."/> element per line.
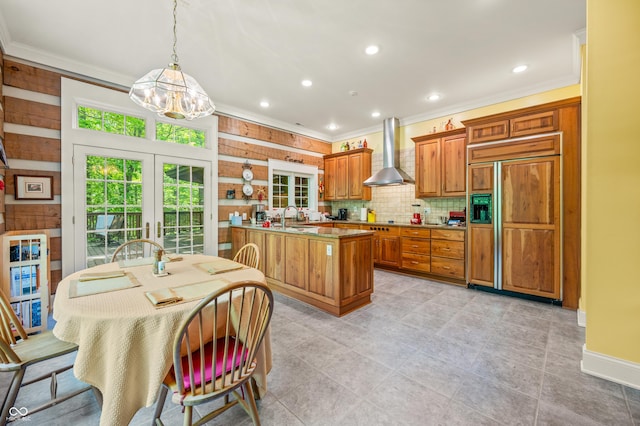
<point x="110" y="122"/>
<point x="292" y="184"/>
<point x="181" y="135"/>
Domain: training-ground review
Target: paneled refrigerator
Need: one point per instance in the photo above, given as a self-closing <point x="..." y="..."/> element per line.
<point x="515" y="227"/>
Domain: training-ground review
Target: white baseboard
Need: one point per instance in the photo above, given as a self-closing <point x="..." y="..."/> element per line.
<point x="613" y="369"/>
<point x="582" y="318"/>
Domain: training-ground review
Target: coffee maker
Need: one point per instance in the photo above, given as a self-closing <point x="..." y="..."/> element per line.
<point x="342" y="214"/>
<point x="258" y="213"/>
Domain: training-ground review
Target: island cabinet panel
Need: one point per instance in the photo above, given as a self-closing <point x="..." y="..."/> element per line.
<point x="272" y="257"/>
<point x="238" y="239"/>
<point x="356" y="265"/>
<point x="258" y="238"/>
<point x="322" y="267"/>
<point x="329" y="269"/>
<point x="297" y="268"/>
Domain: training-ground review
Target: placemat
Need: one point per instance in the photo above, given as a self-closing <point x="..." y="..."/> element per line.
<point x="86" y="286"/>
<point x="219" y="266"/>
<point x="174" y="295"/>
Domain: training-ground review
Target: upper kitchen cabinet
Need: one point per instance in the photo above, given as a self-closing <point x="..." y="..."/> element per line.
<point x="441" y="164"/>
<point x="344" y="173"/>
<point x="527" y="124"/>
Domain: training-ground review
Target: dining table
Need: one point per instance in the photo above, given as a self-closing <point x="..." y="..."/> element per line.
<point x="125" y="341"/>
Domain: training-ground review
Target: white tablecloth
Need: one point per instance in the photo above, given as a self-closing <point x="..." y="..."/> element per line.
<point x="125" y="343"/>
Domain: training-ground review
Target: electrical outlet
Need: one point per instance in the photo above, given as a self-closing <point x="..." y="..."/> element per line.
<point x="427" y="210"/>
<point x="328" y="249"/>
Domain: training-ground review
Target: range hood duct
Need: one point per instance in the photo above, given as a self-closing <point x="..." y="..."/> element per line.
<point x="391" y="173"/>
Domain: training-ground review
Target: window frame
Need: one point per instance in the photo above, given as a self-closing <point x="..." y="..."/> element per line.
<point x="292" y="170"/>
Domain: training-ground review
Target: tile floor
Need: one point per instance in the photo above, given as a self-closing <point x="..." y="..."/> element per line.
<point x="423" y="353"/>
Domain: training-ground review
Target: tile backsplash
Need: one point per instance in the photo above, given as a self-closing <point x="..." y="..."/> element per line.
<point x="396" y="202"/>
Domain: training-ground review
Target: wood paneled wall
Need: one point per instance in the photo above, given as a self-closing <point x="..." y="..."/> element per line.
<point x="2" y="168"/>
<point x="258" y="143"/>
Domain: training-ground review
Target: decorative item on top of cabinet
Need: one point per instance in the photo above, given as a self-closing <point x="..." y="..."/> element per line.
<point x="441" y="164"/>
<point x="344" y="173"/>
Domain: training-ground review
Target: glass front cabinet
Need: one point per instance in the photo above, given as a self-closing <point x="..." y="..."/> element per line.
<point x="25" y="276"/>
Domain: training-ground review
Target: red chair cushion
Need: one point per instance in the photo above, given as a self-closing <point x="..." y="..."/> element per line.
<point x="208" y="359"/>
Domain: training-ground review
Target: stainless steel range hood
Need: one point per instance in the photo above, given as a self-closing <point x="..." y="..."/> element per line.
<point x="391" y="173"/>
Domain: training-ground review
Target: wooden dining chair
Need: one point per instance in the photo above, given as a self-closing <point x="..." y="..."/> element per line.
<point x="249" y="254"/>
<point x="214" y="351"/>
<point x="18" y="351"/>
<point x="134" y="249"/>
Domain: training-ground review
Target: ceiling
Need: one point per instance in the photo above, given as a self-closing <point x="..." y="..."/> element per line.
<point x="245" y="51"/>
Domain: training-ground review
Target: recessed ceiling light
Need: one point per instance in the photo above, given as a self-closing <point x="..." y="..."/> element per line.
<point x="434" y="97"/>
<point x="372" y="50"/>
<point x="332" y="126"/>
<point x="264" y="104"/>
<point x="375" y="114"/>
<point x="307" y="83"/>
<point x="519" y="68"/>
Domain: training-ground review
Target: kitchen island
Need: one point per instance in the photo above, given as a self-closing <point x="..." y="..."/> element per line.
<point x="331" y="269"/>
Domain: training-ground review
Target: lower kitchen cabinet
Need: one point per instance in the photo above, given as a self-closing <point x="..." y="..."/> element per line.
<point x="447" y="253"/>
<point x="416" y="249"/>
<point x="386" y="241"/>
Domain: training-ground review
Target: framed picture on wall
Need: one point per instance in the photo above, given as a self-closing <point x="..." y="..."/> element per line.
<point x="33" y="187"/>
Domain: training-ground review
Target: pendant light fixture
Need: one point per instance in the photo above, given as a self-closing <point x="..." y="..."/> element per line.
<point x="170" y="92"/>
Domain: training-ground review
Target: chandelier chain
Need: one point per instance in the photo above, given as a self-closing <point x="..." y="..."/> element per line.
<point x="174" y="57"/>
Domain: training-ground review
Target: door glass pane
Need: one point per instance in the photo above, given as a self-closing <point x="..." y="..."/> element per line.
<point x="113" y="194"/>
<point x="183" y="207"/>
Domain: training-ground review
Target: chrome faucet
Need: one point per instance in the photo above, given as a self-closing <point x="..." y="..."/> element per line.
<point x="284" y="215"/>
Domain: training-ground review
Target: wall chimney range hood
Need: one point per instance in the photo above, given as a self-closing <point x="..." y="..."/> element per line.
<point x="391" y="173"/>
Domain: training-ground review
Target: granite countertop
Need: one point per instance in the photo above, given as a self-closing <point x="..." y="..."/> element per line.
<point x="424" y="225"/>
<point x="309" y="229"/>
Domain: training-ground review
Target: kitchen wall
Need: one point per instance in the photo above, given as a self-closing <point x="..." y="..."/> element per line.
<point x="611" y="184"/>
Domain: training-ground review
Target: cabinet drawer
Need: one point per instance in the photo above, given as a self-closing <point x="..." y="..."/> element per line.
<point x="447" y="267"/>
<point x="416" y="245"/>
<point x="488" y="132"/>
<point x="447" y="234"/>
<point x="417" y="262"/>
<point x="416" y="232"/>
<point x="450" y="249"/>
<point x="534" y="123"/>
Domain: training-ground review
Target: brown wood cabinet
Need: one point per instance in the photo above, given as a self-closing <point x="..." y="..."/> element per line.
<point x="441" y="164"/>
<point x="515" y="128"/>
<point x="344" y="173"/>
<point x="520" y="125"/>
<point x="386" y="240"/>
<point x="416" y="249"/>
<point x="333" y="274"/>
<point x="447" y="253"/>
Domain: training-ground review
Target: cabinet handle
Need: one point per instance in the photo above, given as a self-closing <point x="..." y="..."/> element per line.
<point x="446" y="267"/>
<point x="414" y="262"/>
<point x="446" y="249"/>
<point x="414" y="246"/>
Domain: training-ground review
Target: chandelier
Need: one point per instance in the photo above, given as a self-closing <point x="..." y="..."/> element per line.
<point x="171" y="93"/>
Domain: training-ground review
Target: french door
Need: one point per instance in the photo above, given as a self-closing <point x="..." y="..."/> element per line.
<point x="125" y="195"/>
